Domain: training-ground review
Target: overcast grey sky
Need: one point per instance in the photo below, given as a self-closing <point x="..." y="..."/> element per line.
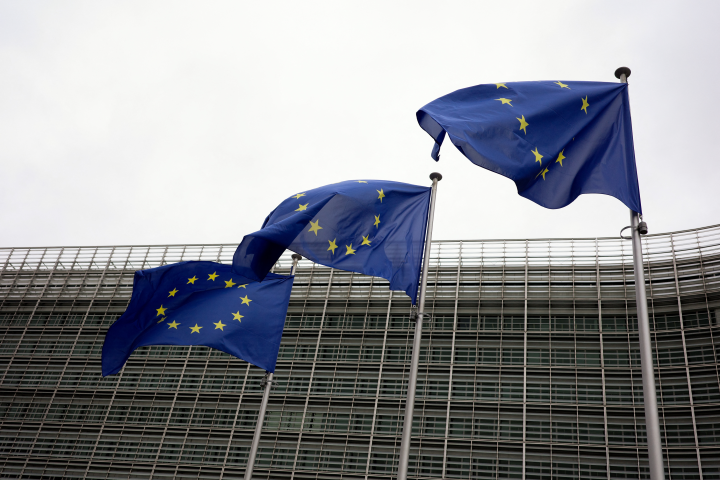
<point x="188" y="122"/>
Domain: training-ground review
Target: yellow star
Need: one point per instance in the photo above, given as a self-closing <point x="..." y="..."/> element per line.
<point x="301" y="207"/>
<point x="562" y="85"/>
<point x="213" y="276"/>
<point x="219" y="325"/>
<point x="243" y="285"/>
<point x="523" y="124"/>
<point x="161" y="311"/>
<point x="332" y="246"/>
<point x="299" y="195"/>
<point x="229" y="283"/>
<point x="315" y="226"/>
<point x="237" y="316"/>
<point x="245" y="300"/>
<point x="350" y="250"/>
<point x="365" y="240"/>
<point x="173" y="292"/>
<point x="195" y="329"/>
<point x="161" y="320"/>
<point x="192" y="280"/>
<point x="174" y="325"/>
<point x="542" y="173"/>
<point x="381" y="195"/>
<point x="361" y="181"/>
<point x="377" y="221"/>
<point x="560" y="158"/>
<point x="585" y="105"/>
<point x="501" y="85"/>
<point x="504" y="101"/>
<point x="537" y="155"/>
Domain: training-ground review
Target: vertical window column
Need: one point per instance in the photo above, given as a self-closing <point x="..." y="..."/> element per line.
<point x="684" y="346"/>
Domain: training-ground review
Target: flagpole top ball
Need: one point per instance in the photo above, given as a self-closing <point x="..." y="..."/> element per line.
<point x="296" y="256"/>
<point x="622" y="71"/>
<point x="435" y="175"/>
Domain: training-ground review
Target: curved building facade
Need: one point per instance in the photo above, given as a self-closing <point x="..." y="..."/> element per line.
<point x="529" y="368"/>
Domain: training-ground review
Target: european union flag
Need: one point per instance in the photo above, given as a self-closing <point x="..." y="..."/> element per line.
<point x="555" y="140"/>
<point x="367" y="226"/>
<point x="201" y="303"/>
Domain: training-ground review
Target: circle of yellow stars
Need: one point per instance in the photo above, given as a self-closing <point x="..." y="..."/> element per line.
<point x="219" y="325"/>
<point x="315" y="226"/>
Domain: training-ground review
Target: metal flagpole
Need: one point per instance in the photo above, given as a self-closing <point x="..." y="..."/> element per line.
<point x="412" y="381"/>
<point x="268" y="380"/>
<point x="652" y="423"/>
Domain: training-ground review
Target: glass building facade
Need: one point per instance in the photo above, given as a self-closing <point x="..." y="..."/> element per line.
<point x="529" y="368"/>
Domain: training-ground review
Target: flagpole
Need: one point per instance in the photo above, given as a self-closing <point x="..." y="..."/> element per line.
<point x="412" y="381"/>
<point x="652" y="423"/>
<point x="263" y="406"/>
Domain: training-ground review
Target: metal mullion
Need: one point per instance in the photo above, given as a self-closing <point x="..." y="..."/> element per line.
<point x="7" y="260"/>
<point x="367" y="307"/>
<point x="35" y="274"/>
<point x="452" y="362"/>
<point x="170" y="412"/>
<point x="602" y="359"/>
<point x="500" y="351"/>
<point x="702" y="277"/>
<point x="307" y="295"/>
<point x="314" y="363"/>
<point x="575" y="363"/>
<point x="525" y="331"/>
<point x="477" y="335"/>
<point x="687" y="367"/>
<point x="102" y="425"/>
<point x="645" y="261"/>
<point x="377" y="389"/>
<point x="197" y="395"/>
<point x="480" y="280"/>
<point x="232" y="429"/>
<point x="162" y="259"/>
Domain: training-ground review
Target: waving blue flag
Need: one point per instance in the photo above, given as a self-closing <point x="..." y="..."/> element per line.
<point x="555" y="140"/>
<point x="368" y="226"/>
<point x="201" y="303"/>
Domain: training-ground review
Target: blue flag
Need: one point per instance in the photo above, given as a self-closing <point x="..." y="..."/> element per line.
<point x="201" y="303"/>
<point x="367" y="226"/>
<point x="555" y="140"/>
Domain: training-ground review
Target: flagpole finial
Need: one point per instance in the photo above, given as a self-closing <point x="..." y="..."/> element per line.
<point x="622" y="71"/>
<point x="435" y="175"/>
<point x="296" y="256"/>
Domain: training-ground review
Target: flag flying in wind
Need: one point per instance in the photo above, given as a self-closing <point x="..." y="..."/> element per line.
<point x="201" y="303"/>
<point x="555" y="140"/>
<point x="367" y="226"/>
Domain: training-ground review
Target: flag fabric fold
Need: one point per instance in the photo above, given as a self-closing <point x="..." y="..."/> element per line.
<point x="371" y="227"/>
<point x="555" y="140"/>
<point x="201" y="303"/>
